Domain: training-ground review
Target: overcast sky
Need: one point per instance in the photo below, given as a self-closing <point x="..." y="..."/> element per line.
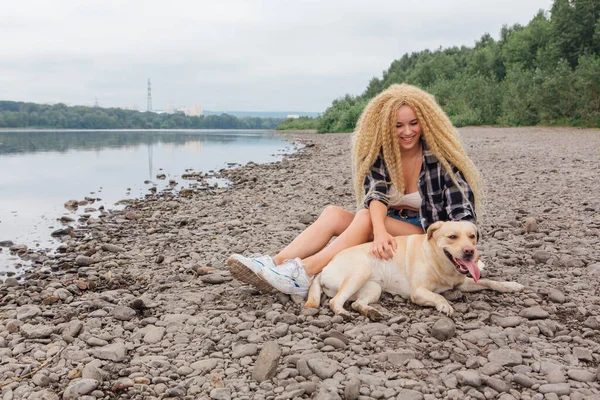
<point x="246" y="55"/>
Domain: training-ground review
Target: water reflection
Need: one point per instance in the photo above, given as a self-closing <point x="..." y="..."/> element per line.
<point x="41" y="170"/>
<point x="12" y="142"/>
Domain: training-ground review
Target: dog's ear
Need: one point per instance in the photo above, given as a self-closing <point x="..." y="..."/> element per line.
<point x="433" y="227"/>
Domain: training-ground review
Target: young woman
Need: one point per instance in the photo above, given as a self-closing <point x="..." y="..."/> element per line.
<point x="409" y="171"/>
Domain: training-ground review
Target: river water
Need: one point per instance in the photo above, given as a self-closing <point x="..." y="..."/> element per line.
<point x="41" y="170"/>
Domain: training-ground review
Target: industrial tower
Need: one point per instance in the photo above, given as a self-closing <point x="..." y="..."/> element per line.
<point x="149" y="96"/>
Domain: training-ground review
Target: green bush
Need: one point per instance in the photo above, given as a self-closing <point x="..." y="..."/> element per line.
<point x="545" y="72"/>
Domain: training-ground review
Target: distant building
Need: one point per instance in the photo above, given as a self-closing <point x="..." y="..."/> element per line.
<point x="194" y="111"/>
<point x="293" y="116"/>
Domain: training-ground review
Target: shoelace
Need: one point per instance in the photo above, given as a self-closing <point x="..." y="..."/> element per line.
<point x="297" y="265"/>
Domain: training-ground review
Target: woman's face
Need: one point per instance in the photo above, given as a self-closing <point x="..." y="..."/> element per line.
<point x="408" y="128"/>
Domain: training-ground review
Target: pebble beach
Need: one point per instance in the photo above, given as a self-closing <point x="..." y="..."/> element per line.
<point x="139" y="304"/>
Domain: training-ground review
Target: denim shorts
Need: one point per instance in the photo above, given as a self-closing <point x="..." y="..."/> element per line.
<point x="412" y="217"/>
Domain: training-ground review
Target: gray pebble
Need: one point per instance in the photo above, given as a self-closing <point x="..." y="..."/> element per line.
<point x="523" y="380"/>
<point x="323" y="367"/>
<point x="535" y="312"/>
<point x="581" y="375"/>
<point x="267" y="362"/>
<point x="557" y="296"/>
<point x="505" y="357"/>
<point x="83" y="261"/>
<point x="468" y="378"/>
<point x="443" y="329"/>
<point x="123" y="313"/>
<point x="244" y="350"/>
<point x="79" y="387"/>
<point x="351" y="391"/>
<point x="556" y="388"/>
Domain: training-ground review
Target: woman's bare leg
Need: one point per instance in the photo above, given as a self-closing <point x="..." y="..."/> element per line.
<point x="360" y="231"/>
<point x="332" y="222"/>
<point x="294" y="277"/>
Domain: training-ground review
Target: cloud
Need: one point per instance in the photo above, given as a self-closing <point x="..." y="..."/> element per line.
<point x="234" y="55"/>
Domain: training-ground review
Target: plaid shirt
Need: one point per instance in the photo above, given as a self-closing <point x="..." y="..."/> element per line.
<point x="442" y="200"/>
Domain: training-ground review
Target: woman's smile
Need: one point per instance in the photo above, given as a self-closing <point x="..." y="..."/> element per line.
<point x="408" y="128"/>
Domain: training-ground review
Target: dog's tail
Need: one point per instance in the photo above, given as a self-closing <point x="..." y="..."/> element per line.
<point x="314" y="293"/>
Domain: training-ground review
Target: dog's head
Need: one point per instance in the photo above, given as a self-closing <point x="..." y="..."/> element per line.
<point x="458" y="241"/>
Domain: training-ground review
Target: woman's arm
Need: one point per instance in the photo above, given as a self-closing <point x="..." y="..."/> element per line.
<point x="459" y="204"/>
<point x="384" y="244"/>
<point x="377" y="188"/>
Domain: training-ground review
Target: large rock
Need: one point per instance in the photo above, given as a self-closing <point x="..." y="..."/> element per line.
<point x="531" y="225"/>
<point x="154" y="335"/>
<point x="443" y="329"/>
<point x="408" y="394"/>
<point x="266" y="364"/>
<point x="205" y="365"/>
<point x="112" y="248"/>
<point x="499" y="385"/>
<point x="468" y="378"/>
<point x="11" y="282"/>
<point x="506" y="322"/>
<point x="84" y="261"/>
<point x="26" y="312"/>
<point x="505" y="357"/>
<point x="556" y="388"/>
<point x="581" y="375"/>
<point x="220" y="394"/>
<point x="556" y="296"/>
<point x="541" y="256"/>
<point x="244" y="350"/>
<point x="400" y="357"/>
<point x="523" y="380"/>
<point x="324" y="368"/>
<point x="93" y="370"/>
<point x="72" y="328"/>
<point x="352" y="389"/>
<point x="80" y="387"/>
<point x="36" y="331"/>
<point x="592" y="322"/>
<point x="123" y="313"/>
<point x="112" y="352"/>
<point x="535" y="312"/>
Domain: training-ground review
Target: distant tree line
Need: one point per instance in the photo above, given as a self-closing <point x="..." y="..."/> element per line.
<point x="15" y="114"/>
<point x="547" y="72"/>
<point x="298" y="124"/>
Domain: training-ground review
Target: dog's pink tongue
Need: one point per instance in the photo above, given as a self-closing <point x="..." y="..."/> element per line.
<point x="472" y="267"/>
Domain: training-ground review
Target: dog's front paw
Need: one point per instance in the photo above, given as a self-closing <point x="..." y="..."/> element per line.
<point x="344" y="314"/>
<point x="513" y="287"/>
<point x="374" y="315"/>
<point x="445" y="308"/>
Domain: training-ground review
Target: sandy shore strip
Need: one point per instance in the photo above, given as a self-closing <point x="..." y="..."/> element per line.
<point x="139" y="303"/>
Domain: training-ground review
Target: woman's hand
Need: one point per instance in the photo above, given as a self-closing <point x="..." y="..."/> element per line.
<point x="383" y="246"/>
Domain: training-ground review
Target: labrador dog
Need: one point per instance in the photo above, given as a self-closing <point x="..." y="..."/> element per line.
<point x="423" y="266"/>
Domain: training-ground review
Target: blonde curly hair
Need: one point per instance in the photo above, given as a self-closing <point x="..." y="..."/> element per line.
<point x="375" y="134"/>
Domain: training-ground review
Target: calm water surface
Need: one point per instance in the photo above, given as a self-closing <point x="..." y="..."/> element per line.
<point x="41" y="170"/>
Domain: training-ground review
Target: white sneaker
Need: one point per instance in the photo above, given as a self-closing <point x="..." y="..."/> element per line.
<point x="245" y="269"/>
<point x="289" y="277"/>
<point x="255" y="262"/>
